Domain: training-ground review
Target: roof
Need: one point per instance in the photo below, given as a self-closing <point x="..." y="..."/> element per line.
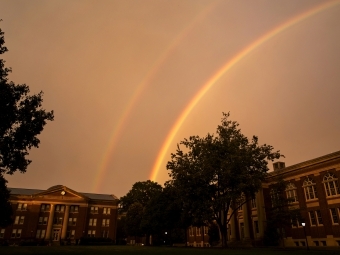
<point x="92" y="196"/>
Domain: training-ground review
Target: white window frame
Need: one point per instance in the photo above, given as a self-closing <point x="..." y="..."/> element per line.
<point x="330" y="180"/>
<point x="336" y="212"/>
<point x="291" y="192"/>
<point x="309" y="187"/>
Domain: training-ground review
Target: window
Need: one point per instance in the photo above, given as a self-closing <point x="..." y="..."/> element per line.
<point x="253" y="203"/>
<point x="2" y="233"/>
<point x="256" y="226"/>
<point x="318" y="217"/>
<point x="58" y="220"/>
<point x="291" y="192"/>
<point x="309" y="188"/>
<point x="106" y="222"/>
<point x="94" y="209"/>
<point x="45" y="207"/>
<point x="191" y="231"/>
<point x="296" y="223"/>
<point x="312" y="218"/>
<point x="16" y="233"/>
<point x="74" y="208"/>
<point x="38" y="233"/>
<point x="70" y="234"/>
<point x="106" y="210"/>
<point x="105" y="234"/>
<point x="42" y="221"/>
<point x="22" y="207"/>
<point x="334" y="215"/>
<point x="19" y="220"/>
<point x="198" y="231"/>
<point x="92" y="222"/>
<point x="91" y="233"/>
<point x="72" y="221"/>
<point x="331" y="185"/>
<point x="59" y="208"/>
<point x="205" y="229"/>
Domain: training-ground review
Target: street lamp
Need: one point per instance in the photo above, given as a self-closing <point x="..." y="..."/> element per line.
<point x="304" y="230"/>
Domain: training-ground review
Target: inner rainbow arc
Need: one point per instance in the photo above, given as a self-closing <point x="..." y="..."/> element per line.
<point x="226" y="67"/>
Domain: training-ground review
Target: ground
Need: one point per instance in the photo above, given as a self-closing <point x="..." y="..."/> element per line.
<point x="124" y="250"/>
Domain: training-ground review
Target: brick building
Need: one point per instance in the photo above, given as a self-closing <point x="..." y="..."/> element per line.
<point x="313" y="187"/>
<point x="59" y="214"/>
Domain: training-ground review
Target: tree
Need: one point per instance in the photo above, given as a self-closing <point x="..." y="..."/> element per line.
<point x="280" y="215"/>
<point x="22" y="118"/>
<point x="215" y="172"/>
<point x="133" y="219"/>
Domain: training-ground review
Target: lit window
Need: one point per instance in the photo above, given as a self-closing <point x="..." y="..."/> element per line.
<point x="16" y="233"/>
<point x="106" y="222"/>
<point x="42" y="221"/>
<point x="105" y="233"/>
<point x="205" y="230"/>
<point x="198" y="231"/>
<point x="2" y="233"/>
<point x="38" y="233"/>
<point x="72" y="221"/>
<point x="94" y="209"/>
<point x="106" y="210"/>
<point x="59" y="208"/>
<point x="22" y="207"/>
<point x="91" y="233"/>
<point x="22" y="219"/>
<point x="92" y="222"/>
<point x="334" y="215"/>
<point x="43" y="233"/>
<point x="16" y="220"/>
<point x="58" y="220"/>
<point x="45" y="207"/>
<point x="291" y="192"/>
<point x="331" y="185"/>
<point x="74" y="208"/>
<point x="309" y="188"/>
<point x="70" y="234"/>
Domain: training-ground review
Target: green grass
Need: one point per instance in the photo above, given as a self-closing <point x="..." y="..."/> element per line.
<point x="124" y="250"/>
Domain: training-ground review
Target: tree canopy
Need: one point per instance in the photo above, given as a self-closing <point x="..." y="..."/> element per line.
<point x="22" y="118"/>
<point x="214" y="172"/>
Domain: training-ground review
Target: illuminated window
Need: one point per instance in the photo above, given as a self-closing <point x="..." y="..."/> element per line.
<point x="205" y="230"/>
<point x="106" y="210"/>
<point x="94" y="209"/>
<point x="74" y="208"/>
<point x="70" y="234"/>
<point x="291" y="192"/>
<point x="92" y="222"/>
<point x="198" y="231"/>
<point x="22" y="207"/>
<point x="2" y="233"/>
<point x="105" y="234"/>
<point x="45" y="207"/>
<point x="72" y="221"/>
<point x="106" y="222"/>
<point x="331" y="185"/>
<point x="58" y="220"/>
<point x="309" y="188"/>
<point x="59" y="208"/>
<point x="91" y="233"/>
<point x="16" y="233"/>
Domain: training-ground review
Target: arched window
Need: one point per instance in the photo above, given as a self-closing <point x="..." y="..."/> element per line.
<point x="331" y="185"/>
<point x="309" y="189"/>
<point x="291" y="192"/>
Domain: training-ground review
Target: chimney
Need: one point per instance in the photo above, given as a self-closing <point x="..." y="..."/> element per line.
<point x="279" y="165"/>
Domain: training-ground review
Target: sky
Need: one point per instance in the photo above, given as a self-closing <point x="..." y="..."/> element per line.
<point x="128" y="80"/>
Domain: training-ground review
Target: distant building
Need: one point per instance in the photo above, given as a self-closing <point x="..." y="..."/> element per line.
<point x="313" y="187"/>
<point x="60" y="214"/>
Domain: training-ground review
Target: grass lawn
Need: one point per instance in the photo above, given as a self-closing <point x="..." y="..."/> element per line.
<point x="121" y="250"/>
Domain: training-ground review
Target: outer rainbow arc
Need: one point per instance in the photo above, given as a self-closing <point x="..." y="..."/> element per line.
<point x="138" y="92"/>
<point x="239" y="56"/>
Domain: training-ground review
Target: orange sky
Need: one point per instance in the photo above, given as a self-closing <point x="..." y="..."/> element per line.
<point x="118" y="74"/>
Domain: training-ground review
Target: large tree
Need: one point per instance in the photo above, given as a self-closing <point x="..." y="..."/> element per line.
<point x="217" y="171"/>
<point x="22" y="118"/>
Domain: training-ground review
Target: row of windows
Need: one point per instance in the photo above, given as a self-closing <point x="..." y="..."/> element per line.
<point x="330" y="182"/>
<point x="92" y="233"/>
<point x="105" y="222"/>
<point x="61" y="208"/>
<point x="197" y="231"/>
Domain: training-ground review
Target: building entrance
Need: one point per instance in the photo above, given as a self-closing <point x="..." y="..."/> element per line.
<point x="56" y="234"/>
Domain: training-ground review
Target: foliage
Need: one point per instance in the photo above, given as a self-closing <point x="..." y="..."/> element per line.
<point x="280" y="215"/>
<point x="214" y="235"/>
<point x="141" y="192"/>
<point x="134" y="218"/>
<point x="22" y="118"/>
<point x="6" y="208"/>
<point x="215" y="171"/>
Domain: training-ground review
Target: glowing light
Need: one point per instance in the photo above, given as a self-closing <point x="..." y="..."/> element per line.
<point x="226" y="67"/>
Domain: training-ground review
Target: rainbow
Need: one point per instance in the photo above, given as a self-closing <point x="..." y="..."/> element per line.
<point x="225" y="68"/>
<point x="119" y="127"/>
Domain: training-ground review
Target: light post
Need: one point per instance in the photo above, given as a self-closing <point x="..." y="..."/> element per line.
<point x="304" y="231"/>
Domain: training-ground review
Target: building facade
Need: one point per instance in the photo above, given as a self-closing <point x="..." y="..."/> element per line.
<point x="60" y="214"/>
<point x="311" y="186"/>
